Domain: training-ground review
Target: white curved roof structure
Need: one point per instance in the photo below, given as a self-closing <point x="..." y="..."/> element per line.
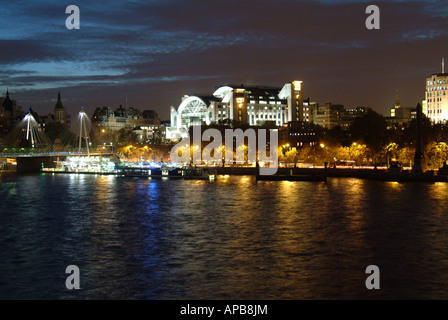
<point x="192" y="108"/>
<point x="224" y="93"/>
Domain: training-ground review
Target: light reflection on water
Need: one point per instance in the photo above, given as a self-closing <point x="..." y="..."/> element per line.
<point x="234" y="238"/>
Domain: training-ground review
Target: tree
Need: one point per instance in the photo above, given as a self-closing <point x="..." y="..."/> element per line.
<point x="371" y="129"/>
<point x="427" y="132"/>
<point x="291" y="156"/>
<point x="437" y="154"/>
<point x="337" y="136"/>
<point x="125" y="136"/>
<point x="405" y="156"/>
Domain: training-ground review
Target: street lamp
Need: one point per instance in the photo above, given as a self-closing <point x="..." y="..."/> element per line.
<point x="325" y="152"/>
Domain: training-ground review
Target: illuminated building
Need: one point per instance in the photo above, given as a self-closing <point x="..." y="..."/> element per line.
<point x="145" y="124"/>
<point x="396" y="111"/>
<point x="250" y="105"/>
<point x="109" y="120"/>
<point x="154" y="133"/>
<point x="297" y="134"/>
<point x="293" y="93"/>
<point x="436" y="99"/>
<point x="308" y="109"/>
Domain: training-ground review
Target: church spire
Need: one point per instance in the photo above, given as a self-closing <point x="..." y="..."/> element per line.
<point x="397" y="99"/>
<point x="7" y="103"/>
<point x="58" y="104"/>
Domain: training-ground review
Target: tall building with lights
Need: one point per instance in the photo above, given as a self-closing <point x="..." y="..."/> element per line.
<point x="293" y="93"/>
<point x="436" y="98"/>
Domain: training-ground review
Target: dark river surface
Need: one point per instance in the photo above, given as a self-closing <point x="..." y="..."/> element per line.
<point x="234" y="238"/>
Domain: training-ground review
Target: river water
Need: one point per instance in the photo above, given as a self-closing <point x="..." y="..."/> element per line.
<point x="233" y="238"/>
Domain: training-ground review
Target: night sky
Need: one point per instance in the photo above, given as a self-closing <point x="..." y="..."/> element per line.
<point x="155" y="51"/>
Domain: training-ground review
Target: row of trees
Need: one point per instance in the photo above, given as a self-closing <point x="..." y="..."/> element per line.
<point x="141" y="152"/>
<point x="369" y="141"/>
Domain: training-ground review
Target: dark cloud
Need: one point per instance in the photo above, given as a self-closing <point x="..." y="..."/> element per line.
<point x="19" y="51"/>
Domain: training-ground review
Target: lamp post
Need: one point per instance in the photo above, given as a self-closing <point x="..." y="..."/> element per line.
<point x="325" y="153"/>
<point x="283" y="151"/>
<point x="418" y="157"/>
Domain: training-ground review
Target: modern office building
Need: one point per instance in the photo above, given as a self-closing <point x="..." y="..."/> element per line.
<point x="248" y="105"/>
<point x="328" y="116"/>
<point x="308" y="109"/>
<point x="436" y="98"/>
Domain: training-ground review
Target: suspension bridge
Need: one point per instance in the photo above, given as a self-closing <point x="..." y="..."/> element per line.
<point x="32" y="148"/>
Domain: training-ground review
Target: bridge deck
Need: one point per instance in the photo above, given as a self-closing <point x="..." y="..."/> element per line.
<point x="52" y="154"/>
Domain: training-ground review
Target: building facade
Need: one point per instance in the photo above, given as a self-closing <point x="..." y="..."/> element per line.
<point x="436" y="98"/>
<point x="146" y="124"/>
<point x="328" y="116"/>
<point x="297" y="134"/>
<point x="248" y="105"/>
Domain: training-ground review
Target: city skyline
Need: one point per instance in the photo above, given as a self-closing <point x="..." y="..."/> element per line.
<point x="148" y="55"/>
<point x="219" y="153"/>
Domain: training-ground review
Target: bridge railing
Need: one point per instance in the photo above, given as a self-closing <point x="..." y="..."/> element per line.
<point x="54" y="154"/>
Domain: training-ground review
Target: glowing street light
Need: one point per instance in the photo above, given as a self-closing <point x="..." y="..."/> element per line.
<point x="83" y="119"/>
<point x="325" y="150"/>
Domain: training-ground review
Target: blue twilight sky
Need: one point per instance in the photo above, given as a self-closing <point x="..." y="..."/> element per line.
<point x="152" y="52"/>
